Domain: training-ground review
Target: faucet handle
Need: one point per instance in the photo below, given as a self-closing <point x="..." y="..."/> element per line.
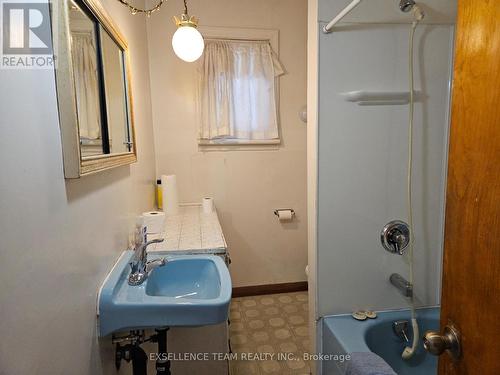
<point x="156" y="240"/>
<point x="395" y="236"/>
<point x="398" y="240"/>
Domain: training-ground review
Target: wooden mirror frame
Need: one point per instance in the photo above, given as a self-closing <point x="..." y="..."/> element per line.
<point x="75" y="165"/>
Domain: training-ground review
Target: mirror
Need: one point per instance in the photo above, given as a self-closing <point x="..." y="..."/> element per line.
<point x="84" y="48"/>
<point x="115" y="95"/>
<point x="93" y="88"/>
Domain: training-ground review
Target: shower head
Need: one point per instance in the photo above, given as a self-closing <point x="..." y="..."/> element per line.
<point x="406" y="5"/>
<point x="410" y="5"/>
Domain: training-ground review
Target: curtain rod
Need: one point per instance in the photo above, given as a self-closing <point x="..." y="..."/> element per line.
<point x="328" y="28"/>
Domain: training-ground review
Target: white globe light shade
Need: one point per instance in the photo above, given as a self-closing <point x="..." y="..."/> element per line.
<point x="188" y="43"/>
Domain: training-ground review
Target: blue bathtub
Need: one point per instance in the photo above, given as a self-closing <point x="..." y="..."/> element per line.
<point x="343" y="335"/>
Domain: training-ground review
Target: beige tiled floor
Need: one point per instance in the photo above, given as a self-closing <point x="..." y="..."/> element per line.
<point x="271" y="326"/>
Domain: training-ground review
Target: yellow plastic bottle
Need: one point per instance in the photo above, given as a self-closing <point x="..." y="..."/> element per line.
<point x="159" y="195"/>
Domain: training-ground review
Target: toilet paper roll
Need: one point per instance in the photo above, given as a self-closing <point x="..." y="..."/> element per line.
<point x="170" y="197"/>
<point x="154" y="221"/>
<point x="208" y="205"/>
<point x="285" y="215"/>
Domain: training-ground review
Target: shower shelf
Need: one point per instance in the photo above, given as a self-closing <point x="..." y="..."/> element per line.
<point x="362" y="97"/>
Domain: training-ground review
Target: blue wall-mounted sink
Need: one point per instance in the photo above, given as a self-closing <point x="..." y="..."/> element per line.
<point x="189" y="290"/>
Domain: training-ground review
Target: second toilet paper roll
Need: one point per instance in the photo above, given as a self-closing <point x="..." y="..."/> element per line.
<point x="170" y="197"/>
<point x="154" y="221"/>
<point x="208" y="205"/>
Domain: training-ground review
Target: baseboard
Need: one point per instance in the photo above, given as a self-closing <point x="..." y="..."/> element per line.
<point x="257" y="290"/>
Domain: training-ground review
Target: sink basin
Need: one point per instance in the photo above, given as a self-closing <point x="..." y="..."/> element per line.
<point x="185" y="278"/>
<point x="189" y="290"/>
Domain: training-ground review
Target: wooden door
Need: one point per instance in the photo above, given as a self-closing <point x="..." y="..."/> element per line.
<point x="471" y="269"/>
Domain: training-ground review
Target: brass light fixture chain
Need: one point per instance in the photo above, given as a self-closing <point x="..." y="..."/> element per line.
<point x="134" y="10"/>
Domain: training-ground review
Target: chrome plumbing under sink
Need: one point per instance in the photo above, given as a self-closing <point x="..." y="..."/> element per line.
<point x="188" y="290"/>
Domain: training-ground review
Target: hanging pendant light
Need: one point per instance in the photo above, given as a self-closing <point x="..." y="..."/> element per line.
<point x="187" y="41"/>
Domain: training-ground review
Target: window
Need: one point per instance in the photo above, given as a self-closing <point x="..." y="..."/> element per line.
<point x="237" y="95"/>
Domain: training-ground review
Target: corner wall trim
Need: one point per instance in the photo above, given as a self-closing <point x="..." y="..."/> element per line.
<point x="257" y="290"/>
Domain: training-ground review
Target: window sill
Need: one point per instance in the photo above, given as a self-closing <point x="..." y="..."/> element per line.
<point x="239" y="144"/>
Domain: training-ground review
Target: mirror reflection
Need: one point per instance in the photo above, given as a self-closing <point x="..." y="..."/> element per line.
<point x="100" y="85"/>
<point x="115" y="89"/>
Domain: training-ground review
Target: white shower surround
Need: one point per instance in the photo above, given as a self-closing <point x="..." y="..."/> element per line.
<point x="362" y="164"/>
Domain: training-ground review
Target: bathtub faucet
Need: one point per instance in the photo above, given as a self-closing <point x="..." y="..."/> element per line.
<point x="402" y="284"/>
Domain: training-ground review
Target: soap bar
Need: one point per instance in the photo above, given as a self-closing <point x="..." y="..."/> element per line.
<point x="370" y="314"/>
<point x="359" y="315"/>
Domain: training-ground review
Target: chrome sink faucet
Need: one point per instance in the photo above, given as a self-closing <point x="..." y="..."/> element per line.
<point x="140" y="267"/>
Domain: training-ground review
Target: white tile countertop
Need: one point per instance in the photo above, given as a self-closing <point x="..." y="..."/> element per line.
<point x="191" y="230"/>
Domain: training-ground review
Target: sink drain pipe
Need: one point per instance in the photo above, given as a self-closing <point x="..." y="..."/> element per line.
<point x="132" y="352"/>
<point x="135" y="354"/>
<point x="162" y="362"/>
<point x="139" y="360"/>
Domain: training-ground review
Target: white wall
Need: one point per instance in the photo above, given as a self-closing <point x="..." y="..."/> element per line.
<point x="246" y="185"/>
<point x="59" y="238"/>
<point x="363" y="151"/>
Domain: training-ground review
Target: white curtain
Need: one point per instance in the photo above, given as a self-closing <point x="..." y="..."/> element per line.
<point x="237" y="93"/>
<point x="87" y="91"/>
